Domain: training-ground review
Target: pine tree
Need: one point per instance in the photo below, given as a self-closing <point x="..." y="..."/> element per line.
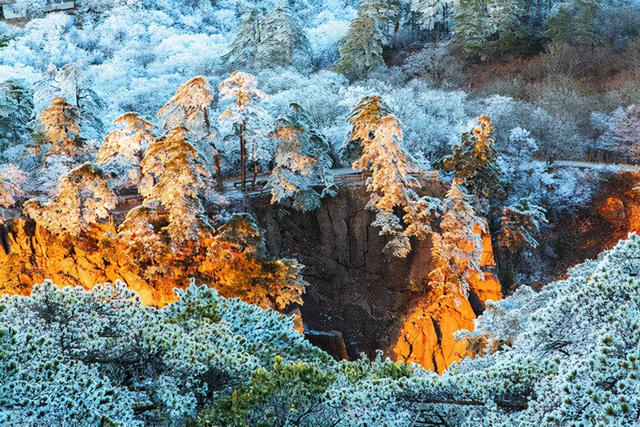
<point x="276" y="39"/>
<point x="174" y="175"/>
<point x="474" y="162"/>
<point x="243" y="50"/>
<point x="434" y="15"/>
<point x="390" y="185"/>
<point x="361" y="48"/>
<point x="61" y="127"/>
<point x="71" y="83"/>
<point x="127" y="144"/>
<point x="519" y="225"/>
<point x="386" y="12"/>
<point x="302" y="162"/>
<point x="364" y="120"/>
<point x="492" y="26"/>
<point x="245" y="119"/>
<point x="473" y="26"/>
<point x="283" y="41"/>
<point x="16" y="109"/>
<point x="84" y="197"/>
<point x="458" y="247"/>
<point x="189" y="108"/>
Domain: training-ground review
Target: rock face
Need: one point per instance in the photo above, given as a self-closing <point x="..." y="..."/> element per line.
<point x="233" y="261"/>
<point x="375" y="303"/>
<point x="357" y="301"/>
<point x="427" y="333"/>
<point x="577" y="234"/>
<point x="31" y="254"/>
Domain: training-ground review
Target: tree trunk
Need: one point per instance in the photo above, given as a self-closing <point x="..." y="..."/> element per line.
<point x="256" y="168"/>
<point x="216" y="167"/>
<point x="216" y="156"/>
<point x="243" y="159"/>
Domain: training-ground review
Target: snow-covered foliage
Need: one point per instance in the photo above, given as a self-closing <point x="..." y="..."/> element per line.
<point x="564" y="356"/>
<point x="246" y="121"/>
<point x="457" y="248"/>
<point x="84" y="197"/>
<point x="301" y="174"/>
<point x="123" y="148"/>
<point x="390" y="185"/>
<point x="70" y="356"/>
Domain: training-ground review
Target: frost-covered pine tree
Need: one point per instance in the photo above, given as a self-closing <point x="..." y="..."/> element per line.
<point x="474" y="161"/>
<point x="16" y="110"/>
<point x="472" y="27"/>
<point x="189" y="108"/>
<point x="457" y="248"/>
<point x="390" y="185"/>
<point x="302" y="162"/>
<point x="244" y="119"/>
<point x="364" y="120"/>
<point x="174" y="175"/>
<point x="519" y="225"/>
<point x="490" y="26"/>
<point x="84" y="197"/>
<point x="434" y="15"/>
<point x="275" y="39"/>
<point x="283" y="41"/>
<point x="72" y="83"/>
<point x="243" y="49"/>
<point x="362" y="46"/>
<point x="123" y="148"/>
<point x="60" y="127"/>
<point x="386" y="12"/>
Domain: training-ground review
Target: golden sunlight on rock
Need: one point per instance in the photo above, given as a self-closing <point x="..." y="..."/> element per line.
<point x="426" y="336"/>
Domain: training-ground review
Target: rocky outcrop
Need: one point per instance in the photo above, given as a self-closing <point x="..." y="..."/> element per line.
<point x="233" y="261"/>
<point x="575" y="234"/>
<point x="427" y="333"/>
<point x="373" y="302"/>
<point x="31" y="254"/>
<point x="358" y="301"/>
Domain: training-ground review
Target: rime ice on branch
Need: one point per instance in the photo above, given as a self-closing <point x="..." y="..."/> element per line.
<point x="302" y="172"/>
<point x="391" y="185"/>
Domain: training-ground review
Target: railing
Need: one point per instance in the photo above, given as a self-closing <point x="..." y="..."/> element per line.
<point x="600" y="155"/>
<point x="129" y="198"/>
